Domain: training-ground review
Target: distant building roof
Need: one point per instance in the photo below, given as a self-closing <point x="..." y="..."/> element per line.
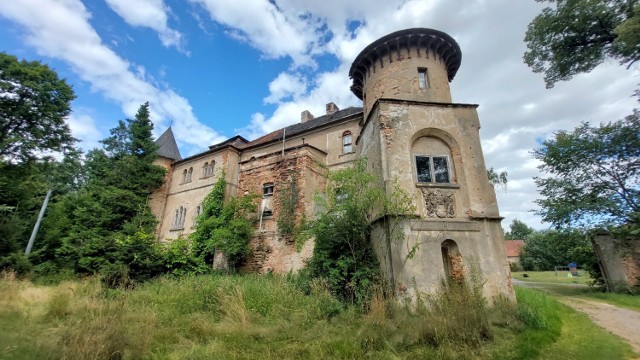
<point x="302" y="127"/>
<point x="513" y="247"/>
<point x="167" y="146"/>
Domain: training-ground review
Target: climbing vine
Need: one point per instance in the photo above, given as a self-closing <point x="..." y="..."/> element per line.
<point x="224" y="227"/>
<point x="287" y="199"/>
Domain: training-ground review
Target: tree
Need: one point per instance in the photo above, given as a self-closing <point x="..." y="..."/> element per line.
<point x="111" y="213"/>
<point x="518" y="230"/>
<point x="34" y="103"/>
<point x="224" y="227"/>
<point x="594" y="175"/>
<point x="342" y="253"/>
<point x="546" y="249"/>
<point x="575" y="36"/>
<point x="498" y="178"/>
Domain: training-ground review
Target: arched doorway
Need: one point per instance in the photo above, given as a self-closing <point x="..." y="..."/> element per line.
<point x="452" y="260"/>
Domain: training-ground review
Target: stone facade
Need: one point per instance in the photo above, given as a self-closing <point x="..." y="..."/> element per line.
<point x="411" y="134"/>
<point x="619" y="261"/>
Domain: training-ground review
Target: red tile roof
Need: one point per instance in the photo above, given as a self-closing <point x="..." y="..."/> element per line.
<point x="513" y="247"/>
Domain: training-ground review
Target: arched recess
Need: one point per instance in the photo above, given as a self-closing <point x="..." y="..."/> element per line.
<point x="452" y="261"/>
<point x="440" y="142"/>
<point x="433" y="161"/>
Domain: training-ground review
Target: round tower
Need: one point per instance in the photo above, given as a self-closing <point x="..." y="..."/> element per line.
<point x="413" y="64"/>
<point x="416" y="139"/>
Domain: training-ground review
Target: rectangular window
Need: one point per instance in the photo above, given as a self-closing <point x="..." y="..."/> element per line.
<point x="433" y="169"/>
<point x="423" y="79"/>
<point x="346" y="143"/>
<point x="267" y="189"/>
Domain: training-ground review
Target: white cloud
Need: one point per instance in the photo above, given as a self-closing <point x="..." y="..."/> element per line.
<point x="285" y="86"/>
<point x="516" y="110"/>
<point x="83" y="127"/>
<point x="151" y="14"/>
<point x="61" y="30"/>
<point x="267" y="27"/>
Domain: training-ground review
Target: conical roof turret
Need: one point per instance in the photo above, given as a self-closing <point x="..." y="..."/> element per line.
<point x="167" y="146"/>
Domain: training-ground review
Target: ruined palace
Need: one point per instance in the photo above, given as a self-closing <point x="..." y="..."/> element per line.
<point x="410" y="132"/>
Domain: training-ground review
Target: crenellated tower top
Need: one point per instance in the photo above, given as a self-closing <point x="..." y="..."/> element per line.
<point x="413" y="64"/>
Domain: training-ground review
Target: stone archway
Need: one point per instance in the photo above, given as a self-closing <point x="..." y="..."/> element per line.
<point x="452" y="261"/>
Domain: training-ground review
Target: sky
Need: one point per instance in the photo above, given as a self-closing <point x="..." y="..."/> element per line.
<point x="212" y="69"/>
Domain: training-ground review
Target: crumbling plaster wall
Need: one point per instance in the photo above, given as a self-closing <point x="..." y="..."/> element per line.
<point x="409" y="248"/>
<point x="271" y="251"/>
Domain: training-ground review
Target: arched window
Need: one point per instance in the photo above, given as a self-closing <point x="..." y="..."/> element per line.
<point x="207" y="169"/>
<point x="347" y="142"/>
<point x="432" y="161"/>
<point x="178" y="219"/>
<point x="174" y="224"/>
<point x="184" y="176"/>
<point x="196" y="214"/>
<point x="189" y="173"/>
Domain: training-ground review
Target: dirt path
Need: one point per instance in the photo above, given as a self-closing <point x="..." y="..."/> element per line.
<point x="620" y="321"/>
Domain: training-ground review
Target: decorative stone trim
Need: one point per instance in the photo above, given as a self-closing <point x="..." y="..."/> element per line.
<point x="438" y="203"/>
<point x="443" y="225"/>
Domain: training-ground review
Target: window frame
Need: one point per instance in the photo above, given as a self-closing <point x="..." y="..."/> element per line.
<point x="179" y="218"/>
<point x="208" y="169"/>
<point x="432" y="172"/>
<point x="268" y="185"/>
<point x="423" y="84"/>
<point x="349" y="144"/>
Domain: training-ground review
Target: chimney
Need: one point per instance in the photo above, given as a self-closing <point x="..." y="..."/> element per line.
<point x="306" y="116"/>
<point x="331" y="108"/>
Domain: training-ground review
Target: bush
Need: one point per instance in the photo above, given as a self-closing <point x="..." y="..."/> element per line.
<point x="16" y="262"/>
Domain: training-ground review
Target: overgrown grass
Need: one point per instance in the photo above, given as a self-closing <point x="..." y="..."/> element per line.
<point x="269" y="317"/>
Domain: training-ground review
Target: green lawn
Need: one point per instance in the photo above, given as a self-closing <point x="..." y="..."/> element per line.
<point x="562" y="285"/>
<point x="560" y="277"/>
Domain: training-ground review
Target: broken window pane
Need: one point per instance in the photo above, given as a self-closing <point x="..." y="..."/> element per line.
<point x="441" y="169"/>
<point x="423" y="168"/>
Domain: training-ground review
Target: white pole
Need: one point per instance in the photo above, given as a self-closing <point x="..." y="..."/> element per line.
<point x="284" y="136"/>
<point x="37" y="226"/>
<point x="262" y="205"/>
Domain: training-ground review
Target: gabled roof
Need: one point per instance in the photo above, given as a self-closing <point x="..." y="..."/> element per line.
<point x="302" y="127"/>
<point x="167" y="146"/>
<point x="513" y="247"/>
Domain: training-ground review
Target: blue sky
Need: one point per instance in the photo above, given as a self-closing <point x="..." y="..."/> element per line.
<point x="214" y="68"/>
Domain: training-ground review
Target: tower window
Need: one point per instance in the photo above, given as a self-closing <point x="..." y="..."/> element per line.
<point x="423" y="78"/>
<point x="433" y="169"/>
<point x="347" y="142"/>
